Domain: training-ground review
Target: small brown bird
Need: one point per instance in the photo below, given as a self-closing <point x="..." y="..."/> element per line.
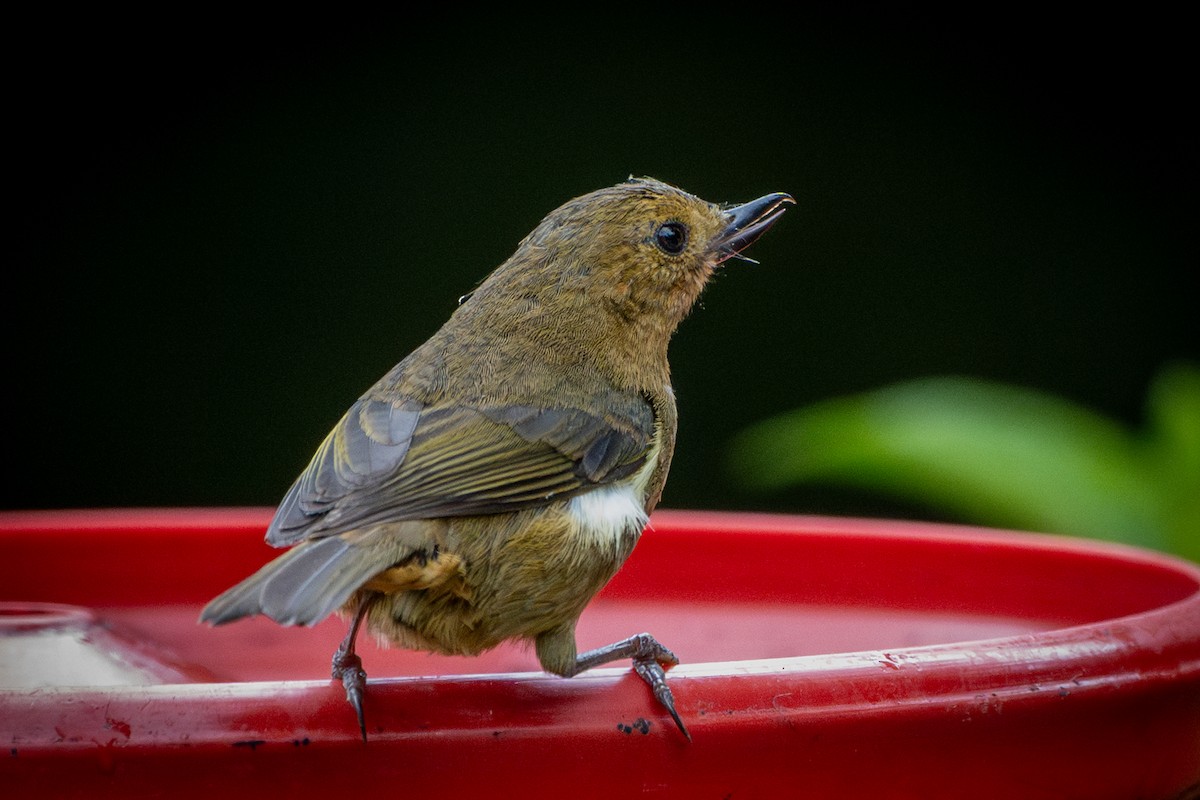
<point x="493" y="481"/>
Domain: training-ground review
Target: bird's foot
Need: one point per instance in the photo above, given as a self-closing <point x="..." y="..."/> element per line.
<point x="650" y="661"/>
<point x="347" y="667"/>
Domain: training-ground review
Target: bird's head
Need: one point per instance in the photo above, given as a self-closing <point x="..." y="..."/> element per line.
<point x="616" y="269"/>
<point x="642" y="247"/>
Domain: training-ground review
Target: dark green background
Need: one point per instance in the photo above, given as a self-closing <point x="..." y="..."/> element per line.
<point x="226" y="229"/>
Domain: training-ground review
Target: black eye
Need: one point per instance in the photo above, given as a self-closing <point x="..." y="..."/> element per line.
<point x="671" y="237"/>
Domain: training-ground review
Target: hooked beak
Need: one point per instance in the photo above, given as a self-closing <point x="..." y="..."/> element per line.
<point x="748" y="221"/>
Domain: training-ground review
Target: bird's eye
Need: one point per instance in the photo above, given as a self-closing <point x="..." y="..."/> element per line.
<point x="671" y="237"/>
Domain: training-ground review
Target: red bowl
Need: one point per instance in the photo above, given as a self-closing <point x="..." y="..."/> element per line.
<point x="821" y="657"/>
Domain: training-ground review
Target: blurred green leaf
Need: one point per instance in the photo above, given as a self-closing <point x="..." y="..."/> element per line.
<point x="1173" y="415"/>
<point x="1000" y="455"/>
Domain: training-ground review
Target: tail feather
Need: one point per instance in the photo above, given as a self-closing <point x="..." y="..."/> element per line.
<point x="302" y="586"/>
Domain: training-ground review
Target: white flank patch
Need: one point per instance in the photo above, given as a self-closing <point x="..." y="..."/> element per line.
<point x="607" y="515"/>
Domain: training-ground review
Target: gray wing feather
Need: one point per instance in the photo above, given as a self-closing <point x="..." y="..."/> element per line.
<point x="595" y="446"/>
<point x="301" y="587"/>
<point x="388" y="461"/>
<point x="376" y="435"/>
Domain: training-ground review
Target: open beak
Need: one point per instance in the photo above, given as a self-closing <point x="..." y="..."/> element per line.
<point x="748" y="221"/>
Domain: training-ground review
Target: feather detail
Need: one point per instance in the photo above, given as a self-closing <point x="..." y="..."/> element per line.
<point x="390" y="461"/>
<point x="317" y="577"/>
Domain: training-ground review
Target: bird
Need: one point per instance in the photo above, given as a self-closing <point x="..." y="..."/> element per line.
<point x="494" y="480"/>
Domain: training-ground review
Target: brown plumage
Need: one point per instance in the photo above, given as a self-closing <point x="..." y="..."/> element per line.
<point x="494" y="480"/>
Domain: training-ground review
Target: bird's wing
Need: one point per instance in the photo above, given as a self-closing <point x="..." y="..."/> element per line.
<point x="394" y="460"/>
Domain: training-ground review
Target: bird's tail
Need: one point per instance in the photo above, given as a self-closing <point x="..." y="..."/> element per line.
<point x="300" y="587"/>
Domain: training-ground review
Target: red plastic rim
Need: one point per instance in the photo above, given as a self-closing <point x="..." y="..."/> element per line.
<point x="855" y="658"/>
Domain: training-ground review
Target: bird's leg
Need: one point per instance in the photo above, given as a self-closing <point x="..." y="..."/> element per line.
<point x="347" y="666"/>
<point x="650" y="660"/>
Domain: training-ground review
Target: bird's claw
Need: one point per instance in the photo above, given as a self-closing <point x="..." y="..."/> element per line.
<point x="348" y="668"/>
<point x="651" y="670"/>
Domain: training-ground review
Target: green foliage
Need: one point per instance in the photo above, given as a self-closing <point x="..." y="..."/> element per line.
<point x="1000" y="455"/>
